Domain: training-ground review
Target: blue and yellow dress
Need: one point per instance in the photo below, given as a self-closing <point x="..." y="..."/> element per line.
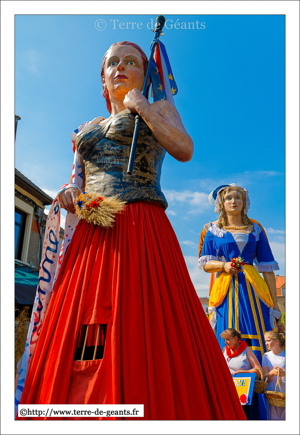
<point x="242" y="301"/>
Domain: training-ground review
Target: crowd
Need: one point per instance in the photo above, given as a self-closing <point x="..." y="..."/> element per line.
<point x="241" y="359"/>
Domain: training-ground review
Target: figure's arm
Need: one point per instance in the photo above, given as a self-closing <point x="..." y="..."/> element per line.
<point x="67" y="197"/>
<point x="281" y="371"/>
<point x="164" y="121"/>
<point x="274" y="372"/>
<point x="209" y="260"/>
<point x="256" y="367"/>
<point x="202" y="236"/>
<point x="266" y="265"/>
<point x="268" y="374"/>
<point x="270" y="279"/>
<point x="219" y="266"/>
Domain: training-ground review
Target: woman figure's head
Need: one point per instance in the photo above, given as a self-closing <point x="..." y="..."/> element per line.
<point x="274" y="341"/>
<point x="123" y="68"/>
<point x="232" y="338"/>
<point x="233" y="201"/>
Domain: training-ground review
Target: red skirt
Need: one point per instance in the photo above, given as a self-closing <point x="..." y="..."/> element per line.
<point x="160" y="349"/>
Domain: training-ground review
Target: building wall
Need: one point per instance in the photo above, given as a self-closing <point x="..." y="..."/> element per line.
<point x="29" y="210"/>
<point x="281" y="303"/>
<point x="33" y="250"/>
<point x="31" y="241"/>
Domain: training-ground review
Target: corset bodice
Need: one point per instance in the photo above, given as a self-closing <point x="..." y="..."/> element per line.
<point x="105" y="151"/>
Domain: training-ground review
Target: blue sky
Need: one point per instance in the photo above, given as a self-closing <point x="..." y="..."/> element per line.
<point x="230" y="72"/>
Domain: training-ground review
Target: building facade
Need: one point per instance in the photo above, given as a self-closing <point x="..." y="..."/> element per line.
<point x="280" y="289"/>
<point x="30" y="223"/>
<point x="204" y="302"/>
<point x="30" y="202"/>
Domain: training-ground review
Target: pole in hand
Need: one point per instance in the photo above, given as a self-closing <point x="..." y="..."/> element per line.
<point x="159" y="24"/>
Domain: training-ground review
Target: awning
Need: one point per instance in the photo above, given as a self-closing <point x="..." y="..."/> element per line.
<point x="26" y="281"/>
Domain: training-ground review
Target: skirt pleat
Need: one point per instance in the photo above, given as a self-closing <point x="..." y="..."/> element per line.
<point x="159" y="351"/>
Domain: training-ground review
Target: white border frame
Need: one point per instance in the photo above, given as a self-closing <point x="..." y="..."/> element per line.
<point x="288" y="8"/>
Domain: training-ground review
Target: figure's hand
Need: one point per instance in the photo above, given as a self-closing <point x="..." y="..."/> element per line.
<point x="281" y="372"/>
<point x="67" y="199"/>
<point x="97" y="120"/>
<point x="278" y="321"/>
<point x="276" y="307"/>
<point x="135" y="101"/>
<point x="229" y="269"/>
<point x="274" y="372"/>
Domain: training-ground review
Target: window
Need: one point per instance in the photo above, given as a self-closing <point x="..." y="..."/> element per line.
<point x="283" y="291"/>
<point x="20" y="221"/>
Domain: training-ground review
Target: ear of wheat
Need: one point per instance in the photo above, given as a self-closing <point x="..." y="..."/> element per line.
<point x="98" y="210"/>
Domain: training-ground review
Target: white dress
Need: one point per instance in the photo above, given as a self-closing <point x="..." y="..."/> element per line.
<point x="270" y="360"/>
<point x="239" y="362"/>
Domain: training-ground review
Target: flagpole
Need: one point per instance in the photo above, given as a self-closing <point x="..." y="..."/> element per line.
<point x="159" y="24"/>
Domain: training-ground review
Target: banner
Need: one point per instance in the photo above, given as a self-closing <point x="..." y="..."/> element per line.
<point x="244" y="384"/>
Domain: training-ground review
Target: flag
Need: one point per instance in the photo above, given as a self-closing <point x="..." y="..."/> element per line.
<point x="162" y="78"/>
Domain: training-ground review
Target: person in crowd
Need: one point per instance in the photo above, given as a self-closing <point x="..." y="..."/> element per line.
<point x="126" y="289"/>
<point x="272" y="364"/>
<point x="281" y="328"/>
<point x="240" y="297"/>
<point x="241" y="359"/>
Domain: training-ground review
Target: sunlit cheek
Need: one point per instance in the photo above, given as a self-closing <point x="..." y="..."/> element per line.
<point x="138" y="78"/>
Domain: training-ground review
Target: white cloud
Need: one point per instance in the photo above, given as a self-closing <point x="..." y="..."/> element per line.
<point x="262" y="173"/>
<point x="199" y="198"/>
<point x="51" y="193"/>
<point x="62" y="221"/>
<point x="196" y="201"/>
<point x="199" y="278"/>
<point x="189" y="243"/>
<point x="194" y="232"/>
<point x="171" y="213"/>
<point x="63" y="214"/>
<point x="278" y="250"/>
<point x="272" y="231"/>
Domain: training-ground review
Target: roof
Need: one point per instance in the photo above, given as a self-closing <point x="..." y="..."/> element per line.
<point x="280" y="281"/>
<point x="32" y="188"/>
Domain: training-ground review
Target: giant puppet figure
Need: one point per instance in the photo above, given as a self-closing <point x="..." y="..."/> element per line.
<point x="124" y="324"/>
<point x="240" y="298"/>
<point x="206" y="228"/>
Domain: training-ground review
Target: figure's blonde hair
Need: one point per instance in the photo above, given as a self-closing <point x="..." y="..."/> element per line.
<point x="223" y="221"/>
<point x="274" y="335"/>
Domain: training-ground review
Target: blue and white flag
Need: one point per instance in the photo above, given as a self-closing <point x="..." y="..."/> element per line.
<point x="162" y="78"/>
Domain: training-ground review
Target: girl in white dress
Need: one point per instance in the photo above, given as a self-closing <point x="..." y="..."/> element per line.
<point x="272" y="361"/>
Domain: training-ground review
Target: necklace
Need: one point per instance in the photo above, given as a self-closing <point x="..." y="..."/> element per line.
<point x="235" y="227"/>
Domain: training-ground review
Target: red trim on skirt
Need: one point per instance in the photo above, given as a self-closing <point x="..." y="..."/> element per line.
<point x="160" y="349"/>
